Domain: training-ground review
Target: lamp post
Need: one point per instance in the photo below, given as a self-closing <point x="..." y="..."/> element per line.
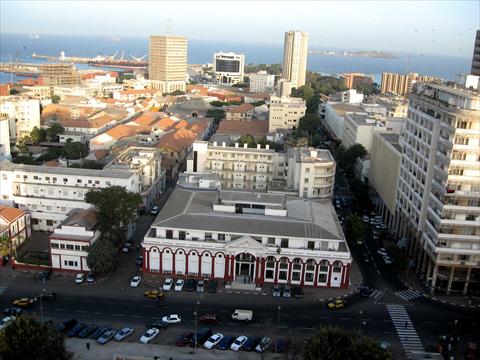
<point x="361" y="319"/>
<point x="196" y="326"/>
<point x="278" y="320"/>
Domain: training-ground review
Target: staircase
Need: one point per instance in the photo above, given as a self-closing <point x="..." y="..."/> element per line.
<point x="242" y="283"/>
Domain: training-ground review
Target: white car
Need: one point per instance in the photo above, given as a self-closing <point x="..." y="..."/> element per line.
<point x="167" y="285"/>
<point x="213" y="341"/>
<point x="124" y="333"/>
<point x="155" y="210"/>
<point x="238" y="343"/>
<point x="366" y="219"/>
<point x="387" y="260"/>
<point x="135" y="281"/>
<point x="5" y="321"/>
<point x="149" y="335"/>
<point x="179" y="284"/>
<point x="382" y="251"/>
<point x="172" y="319"/>
<point x="79" y="278"/>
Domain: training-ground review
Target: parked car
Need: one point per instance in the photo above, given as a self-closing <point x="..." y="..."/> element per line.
<point x="157" y="324"/>
<point x="172" y="319"/>
<point x="213" y="341"/>
<point x="106" y="337"/>
<point x="123" y="334"/>
<point x="5" y="321"/>
<point x="297" y="292"/>
<point x="208" y="319"/>
<point x="184" y="338"/>
<point x="99" y="332"/>
<point x="366" y="219"/>
<point x="149" y="335"/>
<point x="226" y="342"/>
<point x="190" y="285"/>
<point x="238" y="343"/>
<point x="139" y="260"/>
<point x="87" y="331"/>
<point x="387" y="260"/>
<point x="276" y="291"/>
<point x="155" y="210"/>
<point x="135" y="281"/>
<point x="242" y="315"/>
<point x="167" y="284"/>
<point x="201" y="286"/>
<point x="280" y="346"/>
<point x="24" y="302"/>
<point x="13" y="311"/>
<point x="384" y="345"/>
<point x="365" y="291"/>
<point x="366" y="258"/>
<point x="263" y="345"/>
<point x="382" y="251"/>
<point x="77" y="329"/>
<point x="79" y="278"/>
<point x="336" y="304"/>
<point x="153" y="294"/>
<point x="251" y="343"/>
<point x="67" y="325"/>
<point x="179" y="284"/>
<point x="212" y="286"/>
<point x="90" y="278"/>
<point x="287" y="292"/>
<point x="201" y="336"/>
<point x="46" y="296"/>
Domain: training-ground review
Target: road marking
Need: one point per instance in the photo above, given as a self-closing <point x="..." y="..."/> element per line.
<point x="136" y="316"/>
<point x="306" y="328"/>
<point x="378" y="272"/>
<point x="107" y="302"/>
<point x="118" y="315"/>
<point x="257" y="325"/>
<point x="232" y="323"/>
<point x="61" y="309"/>
<point x="405" y="329"/>
<point x="345" y="318"/>
<point x="408" y="294"/>
<point x="99" y="313"/>
<point x="81" y="311"/>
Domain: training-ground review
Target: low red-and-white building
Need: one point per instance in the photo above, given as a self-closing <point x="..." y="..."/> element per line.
<point x="15" y="225"/>
<point x="70" y="242"/>
<point x="248" y="237"/>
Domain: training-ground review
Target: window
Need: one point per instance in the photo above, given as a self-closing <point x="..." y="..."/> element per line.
<point x="221" y="237"/>
<point x="306" y="180"/>
<point x="55" y="246"/>
<point x="311" y="245"/>
<point x="322" y="277"/>
<point x="97" y="182"/>
<point x="69" y="247"/>
<point x="49" y="222"/>
<point x="79" y="181"/>
<point x="65" y="179"/>
<point x="34" y="221"/>
<point x="47" y="178"/>
<point x="182" y="235"/>
<point x="284" y="243"/>
<point x="271" y="241"/>
<point x="208" y="236"/>
<point x="62" y="246"/>
<point x="84" y="247"/>
<point x="169" y="234"/>
<point x="77" y="247"/>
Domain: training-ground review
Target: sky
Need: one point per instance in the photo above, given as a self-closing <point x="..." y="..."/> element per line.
<point x="432" y="27"/>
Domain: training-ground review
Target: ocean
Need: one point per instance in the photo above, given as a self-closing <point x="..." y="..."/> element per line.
<point x="200" y="51"/>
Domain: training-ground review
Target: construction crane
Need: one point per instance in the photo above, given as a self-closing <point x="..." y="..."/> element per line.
<point x="123" y="55"/>
<point x="113" y="56"/>
<point x="138" y="59"/>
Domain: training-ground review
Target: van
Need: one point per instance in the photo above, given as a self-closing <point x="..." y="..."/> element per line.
<point x="242" y="315"/>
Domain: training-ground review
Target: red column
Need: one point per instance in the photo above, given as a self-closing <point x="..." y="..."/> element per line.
<point x="257" y="264"/>
<point x="212" y="275"/>
<point x="315" y="279"/>
<point x="173" y="263"/>
<point x="227" y="266"/>
<point x="199" y="265"/>
<point x="275" y="279"/>
<point x="302" y="278"/>
<point x="262" y="272"/>
<point x="160" y="255"/>
<point x="329" y="274"/>
<point x="232" y="267"/>
<point x="145" y="267"/>
<point x="289" y="275"/>
<point x="186" y="264"/>
<point x="347" y="276"/>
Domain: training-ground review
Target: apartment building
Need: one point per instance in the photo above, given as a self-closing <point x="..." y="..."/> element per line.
<point x="285" y="112"/>
<point x="23" y="115"/>
<point x="438" y="193"/>
<point x="5" y="139"/>
<point x="351" y="97"/>
<point x="58" y="74"/>
<point x="14" y="225"/>
<point x="359" y="129"/>
<point x="240" y="112"/>
<point x="228" y="68"/>
<point x="167" y="67"/>
<point x="402" y="84"/>
<point x="335" y="117"/>
<point x="248" y="238"/>
<point x="80" y="90"/>
<point x="352" y="80"/>
<point x="476" y="55"/>
<point x="295" y="52"/>
<point x="262" y="82"/>
<point x="40" y="92"/>
<point x="50" y="193"/>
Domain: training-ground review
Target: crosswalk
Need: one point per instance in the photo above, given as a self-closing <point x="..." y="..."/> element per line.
<point x="377" y="294"/>
<point x="408" y="294"/>
<point x="405" y="330"/>
<point x="2" y="289"/>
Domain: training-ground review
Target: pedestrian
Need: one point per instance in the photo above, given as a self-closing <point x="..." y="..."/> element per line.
<point x="406" y="324"/>
<point x="88" y="345"/>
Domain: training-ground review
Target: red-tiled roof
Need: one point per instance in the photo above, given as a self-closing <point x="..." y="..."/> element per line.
<point x="177" y="140"/>
<point x="240" y="108"/>
<point x="10" y="214"/>
<point x="243" y="127"/>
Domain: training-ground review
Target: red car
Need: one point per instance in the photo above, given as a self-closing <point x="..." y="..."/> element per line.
<point x="184" y="339"/>
<point x="208" y="319"/>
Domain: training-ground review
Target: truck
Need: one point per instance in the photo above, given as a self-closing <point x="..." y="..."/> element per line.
<point x="242" y="315"/>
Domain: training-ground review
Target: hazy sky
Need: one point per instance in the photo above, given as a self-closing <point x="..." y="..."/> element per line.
<point x="437" y="27"/>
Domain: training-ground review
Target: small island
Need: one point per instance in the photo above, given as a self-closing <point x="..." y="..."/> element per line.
<point x="368" y="54"/>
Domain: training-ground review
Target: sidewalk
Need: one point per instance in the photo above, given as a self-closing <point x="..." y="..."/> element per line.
<point x="136" y="351"/>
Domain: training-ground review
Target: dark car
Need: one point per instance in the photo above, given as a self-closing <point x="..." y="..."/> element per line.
<point x="226" y="342"/>
<point x="251" y="343"/>
<point x="208" y="319"/>
<point x="157" y="324"/>
<point x="67" y="325"/>
<point x="365" y="291"/>
<point x="190" y="285"/>
<point x="139" y="260"/>
<point x="263" y="345"/>
<point x="89" y="330"/>
<point x="99" y="332"/>
<point x="13" y="311"/>
<point x="77" y="329"/>
<point x="297" y="292"/>
<point x="280" y="346"/>
<point x="106" y="337"/>
<point x="212" y="286"/>
<point x="46" y="296"/>
<point x="184" y="339"/>
<point x="201" y="336"/>
<point x="43" y="275"/>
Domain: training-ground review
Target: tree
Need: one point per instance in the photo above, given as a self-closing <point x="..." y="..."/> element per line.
<point x="355" y="230"/>
<point x="248" y="139"/>
<point x="101" y="256"/>
<point x="362" y="193"/>
<point x="38" y="135"/>
<point x="349" y="158"/>
<point x="399" y="259"/>
<point x="217" y="103"/>
<point x="334" y="343"/>
<point x="74" y="150"/>
<point x="50" y="154"/>
<point x="14" y="91"/>
<point x="54" y="130"/>
<point x="309" y="123"/>
<point x="116" y="208"/>
<point x="88" y="164"/>
<point x="5" y="245"/>
<point x="28" y="339"/>
<point x="216" y="114"/>
<point x="55" y="99"/>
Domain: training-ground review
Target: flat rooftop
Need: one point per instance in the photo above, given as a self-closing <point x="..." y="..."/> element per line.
<point x="393" y="139"/>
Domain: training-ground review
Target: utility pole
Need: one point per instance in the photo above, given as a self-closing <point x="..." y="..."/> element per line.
<point x="196" y="327"/>
<point x="278" y="320"/>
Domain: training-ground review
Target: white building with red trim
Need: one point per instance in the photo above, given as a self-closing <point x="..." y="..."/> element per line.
<point x="251" y="237"/>
<point x="70" y="242"/>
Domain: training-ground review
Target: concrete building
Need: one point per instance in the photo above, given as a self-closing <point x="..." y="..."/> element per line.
<point x="167" y="67"/>
<point x="284" y="87"/>
<point x="70" y="241"/>
<point x="295" y="52"/>
<point x="59" y="74"/>
<point x="352" y="80"/>
<point x="23" y="115"/>
<point x="334" y="117"/>
<point x="476" y="55"/>
<point x="351" y="97"/>
<point x="359" y="129"/>
<point x="248" y="239"/>
<point x="285" y="112"/>
<point x="262" y="82"/>
<point x="402" y="84"/>
<point x="83" y="91"/>
<point x="228" y="68"/>
<point x="40" y="92"/>
<point x="438" y="193"/>
<point x="240" y="112"/>
<point x="14" y="225"/>
<point x="5" y="139"/>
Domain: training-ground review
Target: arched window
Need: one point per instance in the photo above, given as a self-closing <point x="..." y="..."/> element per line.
<point x="337" y="267"/>
<point x="323" y="272"/>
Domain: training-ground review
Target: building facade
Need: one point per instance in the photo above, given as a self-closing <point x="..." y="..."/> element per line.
<point x="352" y="80"/>
<point x="228" y="68"/>
<point x="249" y="238"/>
<point x="14" y="225"/>
<point x="285" y="112"/>
<point x="5" y="139"/>
<point x="23" y="115"/>
<point x="262" y="82"/>
<point x="359" y="129"/>
<point x="167" y="67"/>
<point x="396" y="83"/>
<point x="476" y="55"/>
<point x="295" y="50"/>
<point x="438" y="193"/>
<point x="59" y="74"/>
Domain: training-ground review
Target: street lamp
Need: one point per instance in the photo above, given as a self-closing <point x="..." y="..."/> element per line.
<point x="196" y="325"/>
<point x="361" y="319"/>
<point x="278" y="322"/>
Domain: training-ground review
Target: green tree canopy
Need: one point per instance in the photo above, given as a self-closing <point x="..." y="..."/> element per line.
<point x="216" y="114"/>
<point x="116" y="208"/>
<point x="334" y="343"/>
<point x="73" y="150"/>
<point x="54" y="130"/>
<point x="5" y="245"/>
<point x="309" y="124"/>
<point x="101" y="256"/>
<point x="14" y="92"/>
<point x="28" y="339"/>
<point x="355" y="230"/>
<point x="349" y="157"/>
<point x="38" y="135"/>
<point x="55" y="99"/>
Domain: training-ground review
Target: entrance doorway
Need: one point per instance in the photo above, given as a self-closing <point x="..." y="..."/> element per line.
<point x="244" y="268"/>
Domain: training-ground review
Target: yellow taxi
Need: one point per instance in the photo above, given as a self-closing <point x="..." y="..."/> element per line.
<point x="336" y="304"/>
<point x="24" y="302"/>
<point x="154" y="294"/>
